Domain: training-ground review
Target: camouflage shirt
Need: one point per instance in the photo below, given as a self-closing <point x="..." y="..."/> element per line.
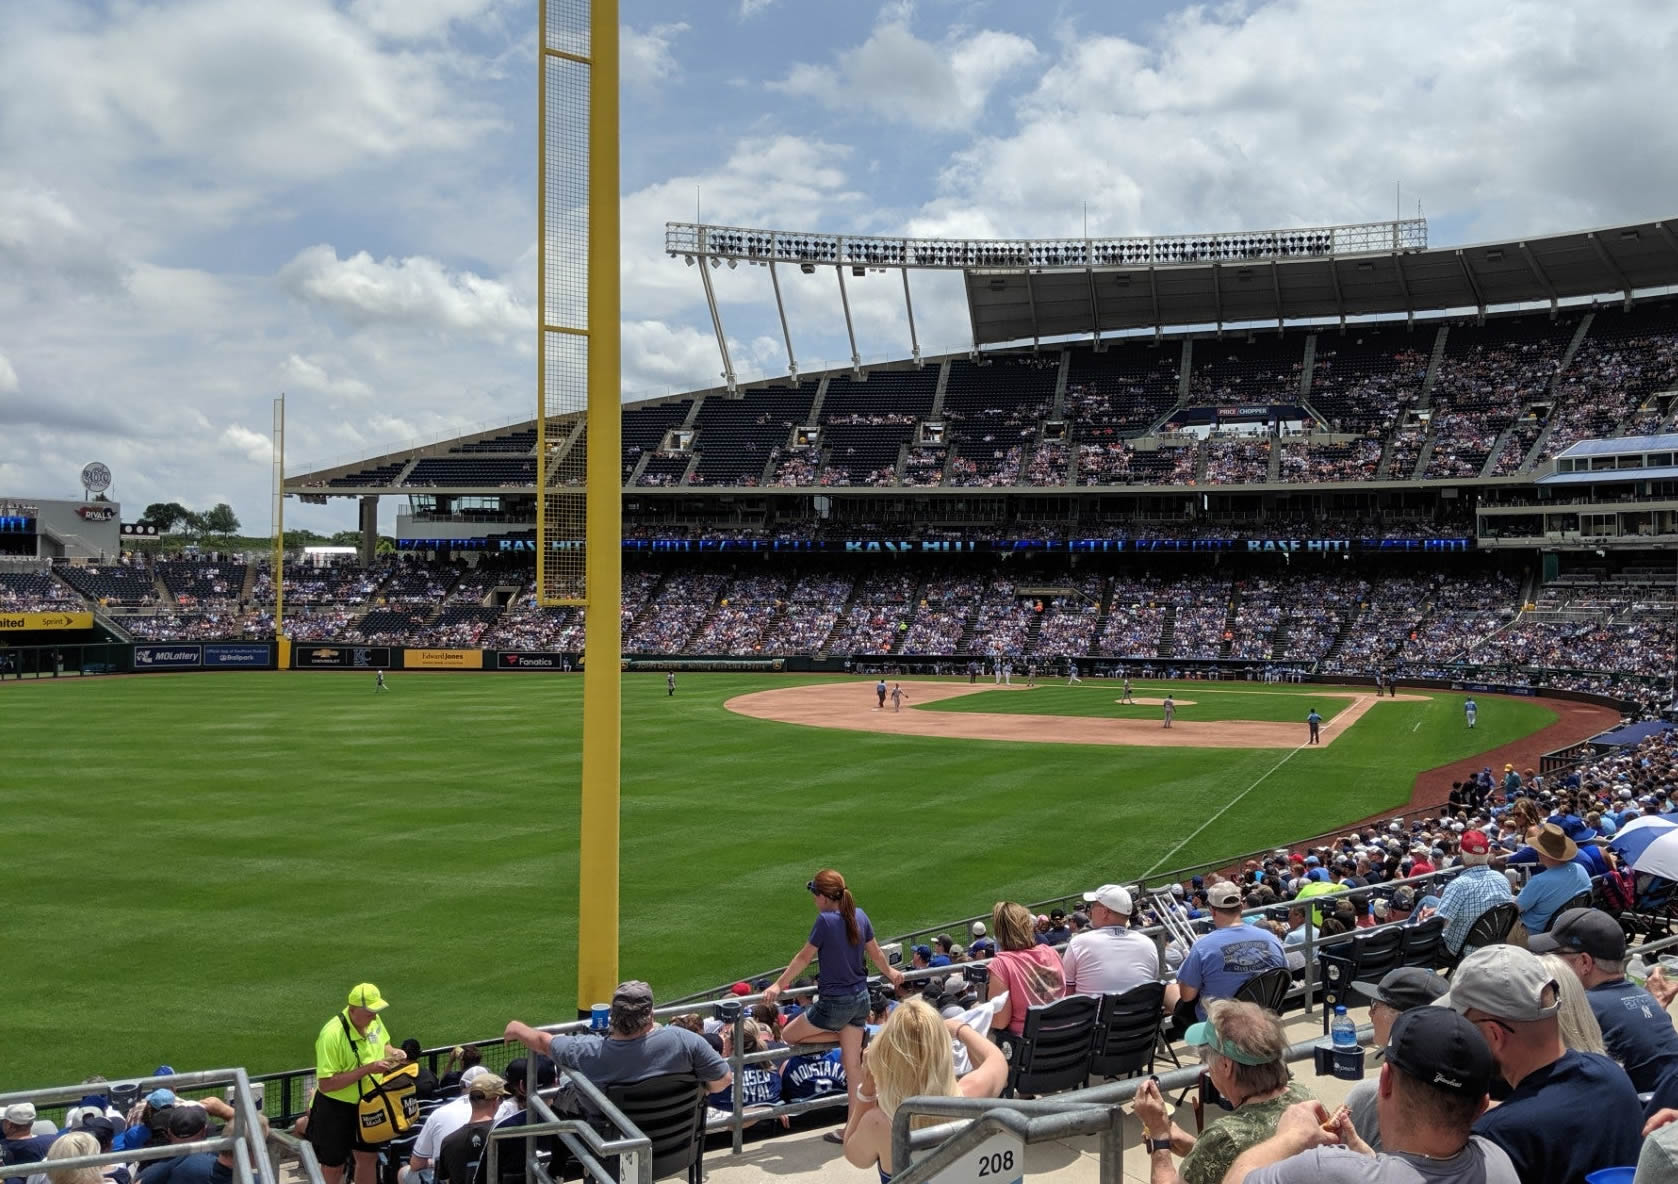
<point x="1225" y="1139"/>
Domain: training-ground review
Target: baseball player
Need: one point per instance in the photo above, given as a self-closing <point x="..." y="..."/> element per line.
<point x="1072" y="673"/>
<point x="1127" y="697"/>
<point x="1470" y="709"/>
<point x="670" y="684"/>
<point x="898" y="694"/>
<point x="1170" y="706"/>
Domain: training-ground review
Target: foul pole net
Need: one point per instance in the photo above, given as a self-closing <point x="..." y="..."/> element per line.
<point x="579" y="423"/>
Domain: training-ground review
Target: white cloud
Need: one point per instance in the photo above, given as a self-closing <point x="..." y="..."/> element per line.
<point x="8" y="377"/>
<point x="253" y="446"/>
<point x="1497" y="115"/>
<point x="416" y="19"/>
<point x="750" y="8"/>
<point x="901" y="78"/>
<point x="416" y="293"/>
<point x="646" y="58"/>
<point x="310" y="375"/>
<point x="227" y="92"/>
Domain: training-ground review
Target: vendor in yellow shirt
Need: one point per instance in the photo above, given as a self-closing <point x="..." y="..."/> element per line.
<point x="352" y="1045"/>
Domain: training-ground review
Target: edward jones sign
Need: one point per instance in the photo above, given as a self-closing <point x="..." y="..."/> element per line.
<point x="443" y="659"/>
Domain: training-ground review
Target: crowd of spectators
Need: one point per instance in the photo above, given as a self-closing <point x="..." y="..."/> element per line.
<point x="1237" y="460"/>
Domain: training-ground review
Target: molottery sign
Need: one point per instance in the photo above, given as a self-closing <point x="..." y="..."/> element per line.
<point x="530" y="660"/>
<point x="168" y="657"/>
<point x="28" y="622"/>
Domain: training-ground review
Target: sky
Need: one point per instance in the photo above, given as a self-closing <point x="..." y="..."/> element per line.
<point x="204" y="203"/>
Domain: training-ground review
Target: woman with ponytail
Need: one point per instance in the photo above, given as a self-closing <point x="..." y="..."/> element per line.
<point x="839" y="939"/>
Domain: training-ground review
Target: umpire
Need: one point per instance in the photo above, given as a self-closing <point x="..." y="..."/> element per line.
<point x="352" y="1044"/>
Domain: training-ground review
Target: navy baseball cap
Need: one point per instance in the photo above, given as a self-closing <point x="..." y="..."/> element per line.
<point x="1442" y="1049"/>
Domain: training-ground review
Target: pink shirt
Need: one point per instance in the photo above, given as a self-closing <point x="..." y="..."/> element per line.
<point x="1030" y="977"/>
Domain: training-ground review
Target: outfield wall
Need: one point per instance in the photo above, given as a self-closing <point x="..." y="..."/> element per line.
<point x="157" y="657"/>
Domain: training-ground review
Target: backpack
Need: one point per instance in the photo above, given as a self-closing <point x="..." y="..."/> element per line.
<point x="389" y="1103"/>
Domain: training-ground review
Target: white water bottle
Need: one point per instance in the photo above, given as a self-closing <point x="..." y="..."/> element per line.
<point x="1343" y="1030"/>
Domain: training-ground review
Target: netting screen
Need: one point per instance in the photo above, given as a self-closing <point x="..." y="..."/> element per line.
<point x="562" y="299"/>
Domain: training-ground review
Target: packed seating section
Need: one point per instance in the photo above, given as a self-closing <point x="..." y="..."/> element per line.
<point x="1503" y="396"/>
<point x="1320" y="618"/>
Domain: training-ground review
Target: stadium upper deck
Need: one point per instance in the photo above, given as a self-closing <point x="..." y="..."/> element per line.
<point x="1394" y="402"/>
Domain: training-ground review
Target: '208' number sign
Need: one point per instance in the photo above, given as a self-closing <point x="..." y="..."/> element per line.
<point x="1000" y="1159"/>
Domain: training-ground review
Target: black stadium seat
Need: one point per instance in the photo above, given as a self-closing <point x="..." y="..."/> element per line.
<point x="1127" y="1032"/>
<point x="1053" y="1053"/>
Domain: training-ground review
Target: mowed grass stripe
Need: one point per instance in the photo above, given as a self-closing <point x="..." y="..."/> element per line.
<point x="206" y="862"/>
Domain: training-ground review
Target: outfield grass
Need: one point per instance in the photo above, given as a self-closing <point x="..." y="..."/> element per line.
<point x="1205" y="702"/>
<point x="200" y="865"/>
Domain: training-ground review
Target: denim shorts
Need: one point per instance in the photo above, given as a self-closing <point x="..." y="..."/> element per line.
<point x="835" y="1013"/>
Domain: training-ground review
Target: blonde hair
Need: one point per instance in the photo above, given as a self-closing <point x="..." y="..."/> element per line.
<point x="1579" y="1030"/>
<point x="1014" y="926"/>
<point x="911" y="1057"/>
<point x="72" y="1145"/>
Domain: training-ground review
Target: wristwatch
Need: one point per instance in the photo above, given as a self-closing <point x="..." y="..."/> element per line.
<point x="1154" y="1145"/>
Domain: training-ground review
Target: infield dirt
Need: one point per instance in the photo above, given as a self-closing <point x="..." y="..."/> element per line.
<point x="851" y="706"/>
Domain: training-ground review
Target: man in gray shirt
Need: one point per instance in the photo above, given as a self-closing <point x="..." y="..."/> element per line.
<point x="1398" y="991"/>
<point x="634" y="1047"/>
<point x="1432" y="1088"/>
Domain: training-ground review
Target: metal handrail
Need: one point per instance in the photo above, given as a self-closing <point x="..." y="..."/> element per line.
<point x="1078" y="1111"/>
<point x="249" y="1148"/>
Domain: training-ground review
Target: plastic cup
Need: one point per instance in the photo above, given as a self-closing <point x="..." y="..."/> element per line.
<point x="598" y="1015"/>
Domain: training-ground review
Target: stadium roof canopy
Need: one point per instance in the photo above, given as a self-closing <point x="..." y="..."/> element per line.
<point x="1029" y="290"/>
<point x="1021" y="304"/>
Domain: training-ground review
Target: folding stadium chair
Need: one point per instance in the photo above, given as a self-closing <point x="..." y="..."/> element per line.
<point x="1491" y="928"/>
<point x="1581" y="901"/>
<point x="1053" y="1053"/>
<point x="1267" y="988"/>
<point x="669" y="1110"/>
<point x="1127" y="1032"/>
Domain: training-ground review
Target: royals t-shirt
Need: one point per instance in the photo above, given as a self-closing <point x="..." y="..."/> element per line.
<point x="1219" y="964"/>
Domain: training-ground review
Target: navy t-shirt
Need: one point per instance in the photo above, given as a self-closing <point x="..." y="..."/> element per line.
<point x="1638" y="1032"/>
<point x="26" y="1150"/>
<point x="808" y="1077"/>
<point x="841" y="971"/>
<point x="1567" y="1120"/>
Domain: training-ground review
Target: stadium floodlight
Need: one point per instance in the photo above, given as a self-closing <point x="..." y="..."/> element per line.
<point x="688" y="259"/>
<point x="733" y="263"/>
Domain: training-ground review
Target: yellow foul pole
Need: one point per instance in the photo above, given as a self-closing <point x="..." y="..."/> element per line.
<point x="597" y="897"/>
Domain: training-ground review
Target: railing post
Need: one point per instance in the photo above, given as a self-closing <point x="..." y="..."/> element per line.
<point x="1112" y="1148"/>
<point x="737" y="1063"/>
<point x="1310" y="960"/>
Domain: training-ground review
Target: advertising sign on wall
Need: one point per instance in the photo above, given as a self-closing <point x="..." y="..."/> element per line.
<point x="443" y="659"/>
<point x="250" y="657"/>
<point x="531" y="660"/>
<point x="167" y="657"/>
<point x="27" y="622"/>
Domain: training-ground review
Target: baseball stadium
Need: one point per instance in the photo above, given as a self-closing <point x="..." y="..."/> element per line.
<point x="1221" y="571"/>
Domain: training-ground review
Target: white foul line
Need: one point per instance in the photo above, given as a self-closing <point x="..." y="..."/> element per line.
<point x="1220" y="813"/>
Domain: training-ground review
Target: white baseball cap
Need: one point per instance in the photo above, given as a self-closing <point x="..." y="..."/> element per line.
<point x="978" y="929"/>
<point x="1112" y="897"/>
